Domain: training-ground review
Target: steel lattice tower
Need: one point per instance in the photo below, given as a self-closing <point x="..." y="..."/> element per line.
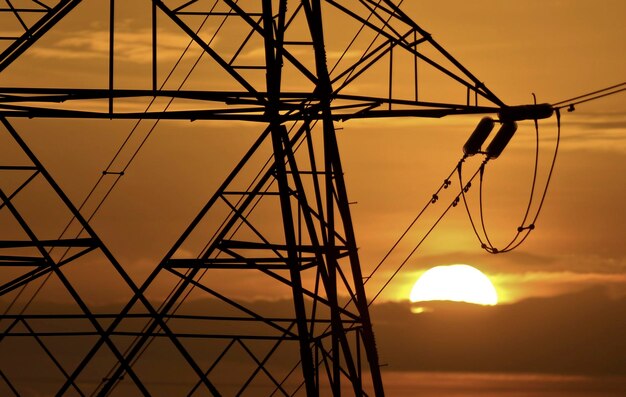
<point x="285" y="221"/>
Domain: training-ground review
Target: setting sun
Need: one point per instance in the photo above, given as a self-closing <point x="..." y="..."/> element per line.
<point x="459" y="283"/>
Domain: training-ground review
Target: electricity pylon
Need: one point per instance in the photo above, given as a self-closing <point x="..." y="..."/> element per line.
<point x="284" y="221"/>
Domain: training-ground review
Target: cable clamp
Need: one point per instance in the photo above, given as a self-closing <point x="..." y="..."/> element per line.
<point x="529" y="227"/>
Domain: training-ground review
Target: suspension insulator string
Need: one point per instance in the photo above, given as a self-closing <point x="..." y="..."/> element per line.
<point x="526" y="226"/>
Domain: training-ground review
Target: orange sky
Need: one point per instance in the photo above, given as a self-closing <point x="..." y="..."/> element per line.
<point x="554" y="49"/>
<point x="563" y="289"/>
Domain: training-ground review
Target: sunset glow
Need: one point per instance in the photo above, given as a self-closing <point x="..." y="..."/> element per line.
<point x="458" y="283"/>
<point x="312" y="198"/>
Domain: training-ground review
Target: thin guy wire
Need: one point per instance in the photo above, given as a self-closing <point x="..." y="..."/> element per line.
<point x="143" y="142"/>
<point x="431" y="201"/>
<point x="417" y="246"/>
<point x="118" y="176"/>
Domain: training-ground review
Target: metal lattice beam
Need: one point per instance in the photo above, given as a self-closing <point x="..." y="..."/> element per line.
<point x="324" y="342"/>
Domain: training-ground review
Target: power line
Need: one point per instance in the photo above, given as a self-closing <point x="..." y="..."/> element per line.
<point x="107" y="171"/>
<point x="591" y="96"/>
<point x="484" y="240"/>
<point x="452" y="204"/>
<point x="464" y="188"/>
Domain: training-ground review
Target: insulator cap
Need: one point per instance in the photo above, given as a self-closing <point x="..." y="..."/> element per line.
<point x="478" y="137"/>
<point x="502" y="138"/>
<point x="526" y="112"/>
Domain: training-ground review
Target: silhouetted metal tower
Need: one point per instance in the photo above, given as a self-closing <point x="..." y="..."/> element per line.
<point x="285" y="221"/>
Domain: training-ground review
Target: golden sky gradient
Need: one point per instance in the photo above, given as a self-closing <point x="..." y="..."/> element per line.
<point x="562" y="291"/>
<point x="555" y="49"/>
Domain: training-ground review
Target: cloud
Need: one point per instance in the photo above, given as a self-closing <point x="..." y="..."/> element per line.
<point x="571" y="334"/>
<point x="564" y="277"/>
<point x="131" y="46"/>
<point x="516" y="275"/>
<point x="521" y="261"/>
<point x="511" y="261"/>
<point x="514" y="287"/>
<point x="589" y="131"/>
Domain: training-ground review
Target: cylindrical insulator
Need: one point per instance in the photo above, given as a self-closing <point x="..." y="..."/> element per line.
<point x="478" y="137"/>
<point x="502" y="138"/>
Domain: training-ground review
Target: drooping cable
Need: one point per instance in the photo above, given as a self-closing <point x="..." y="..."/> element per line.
<point x="487" y="244"/>
<point x="524" y="229"/>
<point x="545" y="191"/>
<point x="464" y="188"/>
